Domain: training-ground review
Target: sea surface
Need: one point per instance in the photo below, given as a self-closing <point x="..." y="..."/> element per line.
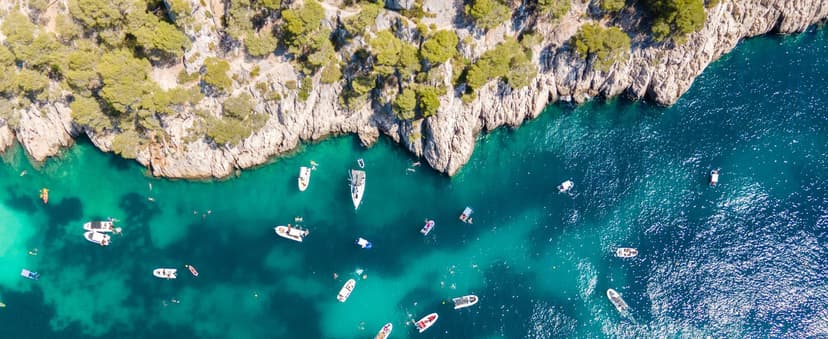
<point x="747" y="258"/>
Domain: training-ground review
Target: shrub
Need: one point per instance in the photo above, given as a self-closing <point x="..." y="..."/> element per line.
<point x="185" y="78"/>
<point x="612" y="6"/>
<point x="393" y="54"/>
<point x="307" y="87"/>
<point x="331" y="74"/>
<point x="127" y="144"/>
<point x="440" y="47"/>
<point x="508" y="61"/>
<point x="676" y="18"/>
<point x="229" y="131"/>
<point x="19" y="31"/>
<point x="215" y="73"/>
<point x="259" y="45"/>
<point x="554" y="8"/>
<point x="608" y="45"/>
<point x="99" y="14"/>
<point x="429" y="100"/>
<point x="488" y="13"/>
<point x="405" y="104"/>
<point x="365" y="18"/>
<point x="124" y="78"/>
<point x="31" y="83"/>
<point x="238" y="107"/>
<point x="87" y="112"/>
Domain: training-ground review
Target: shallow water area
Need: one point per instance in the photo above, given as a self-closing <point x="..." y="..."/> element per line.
<point x="745" y="258"/>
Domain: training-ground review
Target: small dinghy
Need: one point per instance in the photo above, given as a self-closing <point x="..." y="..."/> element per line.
<point x="566" y="186"/>
<point x="29" y="274"/>
<point x="714" y="177"/>
<point x="361" y="163"/>
<point x="466" y="215"/>
<point x="385" y="331"/>
<point x="346" y="290"/>
<point x="428" y="226"/>
<point x="464" y="301"/>
<point x="98" y="238"/>
<point x="165" y="273"/>
<point x="292" y="233"/>
<point x="192" y="269"/>
<point x="426" y="322"/>
<point x="364" y="243"/>
<point x="304" y="178"/>
<point x="626" y="252"/>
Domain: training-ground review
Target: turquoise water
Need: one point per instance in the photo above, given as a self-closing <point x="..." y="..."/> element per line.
<point x="746" y="258"/>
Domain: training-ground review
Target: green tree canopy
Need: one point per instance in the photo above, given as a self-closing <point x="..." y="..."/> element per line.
<point x="612" y="6"/>
<point x="440" y="47"/>
<point x="405" y="104"/>
<point x="554" y="8"/>
<point x="98" y="14"/>
<point x="87" y="112"/>
<point x="676" y="18"/>
<point x="124" y="79"/>
<point x="239" y="106"/>
<point x="215" y="73"/>
<point x="608" y="45"/>
<point x="393" y="54"/>
<point x="508" y="61"/>
<point x="488" y="13"/>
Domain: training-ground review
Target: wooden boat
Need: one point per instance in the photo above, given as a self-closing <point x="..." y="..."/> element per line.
<point x="464" y="301"/>
<point x="292" y="233"/>
<point x="304" y="178"/>
<point x="346" y="290"/>
<point x="44" y="195"/>
<point x="192" y="270"/>
<point x="385" y="331"/>
<point x="165" y="273"/>
<point x="626" y="252"/>
<point x="426" y="322"/>
<point x="427" y="227"/>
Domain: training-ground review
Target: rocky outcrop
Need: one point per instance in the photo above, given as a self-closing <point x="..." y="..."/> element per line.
<point x="660" y="72"/>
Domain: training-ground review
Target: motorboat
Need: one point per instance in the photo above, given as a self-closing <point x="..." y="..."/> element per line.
<point x="192" y="269"/>
<point x="98" y="238"/>
<point x="427" y="227"/>
<point x="165" y="273"/>
<point x="304" y="178"/>
<point x="626" y="252"/>
<point x="29" y="274"/>
<point x="346" y="290"/>
<point x="364" y="243"/>
<point x="292" y="233"/>
<point x="464" y="301"/>
<point x="385" y="331"/>
<point x="466" y="215"/>
<point x="616" y="300"/>
<point x="44" y="195"/>
<point x="426" y="322"/>
<point x="714" y="177"/>
<point x="105" y="226"/>
<point x="357" y="178"/>
<point x="361" y="163"/>
<point x="566" y="186"/>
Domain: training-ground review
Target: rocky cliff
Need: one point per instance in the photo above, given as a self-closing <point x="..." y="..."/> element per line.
<point x="660" y="72"/>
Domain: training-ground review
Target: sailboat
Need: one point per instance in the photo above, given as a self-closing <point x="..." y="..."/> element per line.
<point x="357" y="179"/>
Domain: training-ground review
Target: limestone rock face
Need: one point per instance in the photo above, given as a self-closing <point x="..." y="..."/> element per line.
<point x="399" y="4"/>
<point x="660" y="72"/>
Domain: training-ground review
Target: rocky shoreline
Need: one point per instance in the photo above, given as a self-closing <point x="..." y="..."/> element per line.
<point x="661" y="73"/>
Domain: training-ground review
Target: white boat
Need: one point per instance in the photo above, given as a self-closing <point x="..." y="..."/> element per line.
<point x="357" y="186"/>
<point x="292" y="233"/>
<point x="464" y="301"/>
<point x="105" y="226"/>
<point x="426" y="322"/>
<point x="616" y="300"/>
<point x="346" y="290"/>
<point x="427" y="227"/>
<point x="29" y="274"/>
<point x="385" y="331"/>
<point x="361" y="163"/>
<point x="566" y="186"/>
<point x="714" y="177"/>
<point x="165" y="273"/>
<point x="626" y="252"/>
<point x="98" y="238"/>
<point x="304" y="178"/>
<point x="364" y="243"/>
<point x="466" y="215"/>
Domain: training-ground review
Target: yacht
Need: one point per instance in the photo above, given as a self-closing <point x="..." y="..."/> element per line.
<point x="426" y="322"/>
<point x="626" y="252"/>
<point x="357" y="186"/>
<point x="566" y="186"/>
<point x="714" y="177"/>
<point x="346" y="290"/>
<point x="428" y="226"/>
<point x="616" y="300"/>
<point x="466" y="215"/>
<point x="165" y="273"/>
<point x="105" y="226"/>
<point x="464" y="301"/>
<point x="29" y="274"/>
<point x="292" y="233"/>
<point x="304" y="178"/>
<point x="385" y="331"/>
<point x="98" y="238"/>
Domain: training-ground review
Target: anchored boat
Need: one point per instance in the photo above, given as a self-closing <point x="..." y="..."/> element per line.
<point x="466" y="215"/>
<point x="105" y="226"/>
<point x="304" y="178"/>
<point x="292" y="233"/>
<point x="192" y="270"/>
<point x="626" y="252"/>
<point x="566" y="186"/>
<point x="165" y="273"/>
<point x="44" y="195"/>
<point x="616" y="300"/>
<point x="464" y="301"/>
<point x="346" y="290"/>
<point x="98" y="238"/>
<point x="29" y="274"/>
<point x="357" y="178"/>
<point x="714" y="177"/>
<point x="385" y="331"/>
<point x="364" y="243"/>
<point x="428" y="226"/>
<point x="426" y="322"/>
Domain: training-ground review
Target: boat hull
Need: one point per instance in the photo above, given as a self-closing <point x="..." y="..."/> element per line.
<point x="165" y="273"/>
<point x="385" y="331"/>
<point x="357" y="187"/>
<point x="97" y="238"/>
<point x="292" y="233"/>
<point x="426" y="322"/>
<point x="428" y="227"/>
<point x="617" y="301"/>
<point x="626" y="252"/>
<point x="304" y="178"/>
<point x="345" y="291"/>
<point x="464" y="301"/>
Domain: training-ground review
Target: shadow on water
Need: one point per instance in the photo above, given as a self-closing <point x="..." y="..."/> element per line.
<point x="138" y="210"/>
<point x="23" y="203"/>
<point x="65" y="211"/>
